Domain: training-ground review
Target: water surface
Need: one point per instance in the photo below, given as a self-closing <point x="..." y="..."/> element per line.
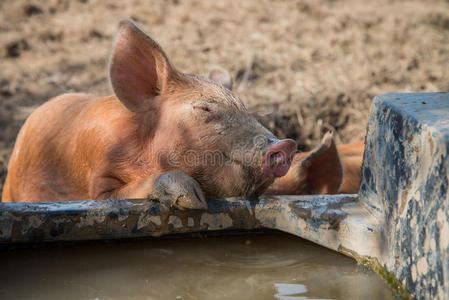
<point x="230" y="267"/>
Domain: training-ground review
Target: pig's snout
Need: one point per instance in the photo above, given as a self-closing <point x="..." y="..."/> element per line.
<point x="278" y="157"/>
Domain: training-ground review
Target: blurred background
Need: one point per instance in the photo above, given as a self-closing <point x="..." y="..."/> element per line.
<point x="304" y="67"/>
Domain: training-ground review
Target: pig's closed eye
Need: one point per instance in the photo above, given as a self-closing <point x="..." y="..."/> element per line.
<point x="209" y="114"/>
<point x="203" y="108"/>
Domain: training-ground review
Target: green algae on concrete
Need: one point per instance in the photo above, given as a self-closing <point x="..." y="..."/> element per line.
<point x="388" y="277"/>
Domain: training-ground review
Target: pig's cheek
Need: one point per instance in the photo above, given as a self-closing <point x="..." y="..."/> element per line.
<point x="220" y="129"/>
<point x="235" y="172"/>
<point x="180" y="124"/>
<point x="228" y="180"/>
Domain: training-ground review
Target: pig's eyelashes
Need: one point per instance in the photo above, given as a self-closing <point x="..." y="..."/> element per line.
<point x="203" y="108"/>
<point x="210" y="114"/>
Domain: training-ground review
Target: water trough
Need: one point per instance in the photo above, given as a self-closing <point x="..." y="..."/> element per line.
<point x="398" y="223"/>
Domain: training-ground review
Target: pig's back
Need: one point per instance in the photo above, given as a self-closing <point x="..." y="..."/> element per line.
<point x="42" y="159"/>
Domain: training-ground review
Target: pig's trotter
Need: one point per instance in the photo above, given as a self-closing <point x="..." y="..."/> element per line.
<point x="179" y="190"/>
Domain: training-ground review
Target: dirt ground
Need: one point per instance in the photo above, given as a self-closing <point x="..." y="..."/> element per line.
<point x="304" y="67"/>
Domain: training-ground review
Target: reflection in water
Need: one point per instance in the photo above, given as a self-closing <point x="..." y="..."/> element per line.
<point x="258" y="267"/>
<point x="285" y="291"/>
<point x="290" y="291"/>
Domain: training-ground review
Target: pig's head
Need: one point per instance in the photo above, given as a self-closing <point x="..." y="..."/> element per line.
<point x="195" y="124"/>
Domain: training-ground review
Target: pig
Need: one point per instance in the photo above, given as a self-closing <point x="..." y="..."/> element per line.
<point x="163" y="135"/>
<point x="351" y="157"/>
<point x="328" y="169"/>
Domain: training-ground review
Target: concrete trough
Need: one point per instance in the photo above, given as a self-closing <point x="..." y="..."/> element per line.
<point x="405" y="187"/>
<point x="398" y="224"/>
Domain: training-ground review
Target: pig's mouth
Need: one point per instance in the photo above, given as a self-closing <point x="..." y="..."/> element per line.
<point x="260" y="187"/>
<point x="276" y="162"/>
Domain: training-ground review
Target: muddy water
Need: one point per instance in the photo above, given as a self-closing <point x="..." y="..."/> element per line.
<point x="238" y="267"/>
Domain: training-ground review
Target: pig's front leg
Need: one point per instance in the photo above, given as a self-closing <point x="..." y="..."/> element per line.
<point x="173" y="189"/>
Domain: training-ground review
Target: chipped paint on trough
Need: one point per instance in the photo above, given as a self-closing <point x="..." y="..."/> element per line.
<point x="398" y="224"/>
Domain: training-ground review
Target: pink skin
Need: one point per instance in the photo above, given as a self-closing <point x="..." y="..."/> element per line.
<point x="278" y="158"/>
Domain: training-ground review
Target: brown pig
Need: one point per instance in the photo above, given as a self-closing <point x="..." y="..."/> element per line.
<point x="164" y="134"/>
<point x="329" y="169"/>
<point x="351" y="157"/>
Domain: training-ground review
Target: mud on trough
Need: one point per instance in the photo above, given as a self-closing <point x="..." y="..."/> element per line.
<point x="305" y="67"/>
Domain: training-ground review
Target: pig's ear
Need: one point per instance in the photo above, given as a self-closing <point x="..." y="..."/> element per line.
<point x="321" y="171"/>
<point x="221" y="77"/>
<point x="139" y="69"/>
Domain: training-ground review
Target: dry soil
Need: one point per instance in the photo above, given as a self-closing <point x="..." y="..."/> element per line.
<point x="305" y="67"/>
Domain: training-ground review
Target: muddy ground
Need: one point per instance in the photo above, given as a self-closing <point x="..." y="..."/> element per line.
<point x="304" y="66"/>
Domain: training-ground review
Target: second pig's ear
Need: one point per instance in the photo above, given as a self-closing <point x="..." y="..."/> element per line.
<point x="221" y="77"/>
<point x="321" y="172"/>
<point x="139" y="70"/>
